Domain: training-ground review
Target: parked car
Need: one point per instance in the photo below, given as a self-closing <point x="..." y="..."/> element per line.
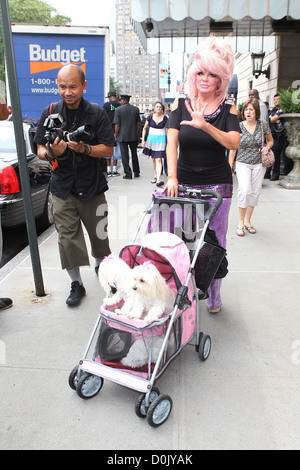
<point x="12" y="209"/>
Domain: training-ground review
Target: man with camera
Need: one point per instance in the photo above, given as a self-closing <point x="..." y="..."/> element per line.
<point x="74" y="134"/>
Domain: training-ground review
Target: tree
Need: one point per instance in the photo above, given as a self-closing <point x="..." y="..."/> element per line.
<point x="30" y="12"/>
<point x="35" y="12"/>
<point x="113" y="85"/>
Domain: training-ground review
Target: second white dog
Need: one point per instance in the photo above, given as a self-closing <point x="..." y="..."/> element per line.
<point x="148" y="294"/>
<point x="113" y="276"/>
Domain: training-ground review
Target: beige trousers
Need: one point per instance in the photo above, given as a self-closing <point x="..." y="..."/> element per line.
<point x="69" y="215"/>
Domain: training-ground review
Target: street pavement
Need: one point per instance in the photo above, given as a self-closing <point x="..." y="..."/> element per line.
<point x="245" y="396"/>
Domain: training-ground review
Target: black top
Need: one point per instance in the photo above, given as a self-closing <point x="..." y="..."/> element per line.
<point x="202" y="160"/>
<point x="110" y="107"/>
<point x="79" y="174"/>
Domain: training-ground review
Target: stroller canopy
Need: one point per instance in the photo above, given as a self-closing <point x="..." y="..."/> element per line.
<point x="165" y="250"/>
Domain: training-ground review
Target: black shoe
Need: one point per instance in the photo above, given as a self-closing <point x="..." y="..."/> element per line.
<point x="136" y="175"/>
<point x="274" y="178"/>
<point x="5" y="303"/>
<point x="127" y="177"/>
<point x="77" y="292"/>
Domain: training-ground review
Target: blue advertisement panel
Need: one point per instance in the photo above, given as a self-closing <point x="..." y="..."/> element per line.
<point x="39" y="58"/>
<point x="163" y="75"/>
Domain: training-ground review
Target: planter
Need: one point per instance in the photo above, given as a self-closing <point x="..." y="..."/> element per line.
<point x="292" y="126"/>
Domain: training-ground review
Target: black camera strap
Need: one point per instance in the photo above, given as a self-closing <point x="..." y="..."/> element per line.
<point x="73" y="117"/>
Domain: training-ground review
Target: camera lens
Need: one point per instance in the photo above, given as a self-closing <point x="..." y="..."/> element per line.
<point x="83" y="134"/>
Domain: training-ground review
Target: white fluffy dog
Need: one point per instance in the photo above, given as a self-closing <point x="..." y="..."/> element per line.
<point x="113" y="276"/>
<point x="149" y="294"/>
<point x="138" y="354"/>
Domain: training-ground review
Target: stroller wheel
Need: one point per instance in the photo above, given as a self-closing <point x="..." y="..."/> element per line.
<point x="89" y="385"/>
<point x="140" y="404"/>
<point x="204" y="347"/>
<point x="159" y="410"/>
<point x="73" y="378"/>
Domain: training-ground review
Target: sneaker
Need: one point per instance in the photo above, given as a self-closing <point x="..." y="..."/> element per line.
<point x="5" y="302"/>
<point x="109" y="174"/>
<point x="115" y="173"/>
<point x="77" y="292"/>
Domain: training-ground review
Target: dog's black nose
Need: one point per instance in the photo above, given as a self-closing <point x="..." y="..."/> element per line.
<point x="113" y="289"/>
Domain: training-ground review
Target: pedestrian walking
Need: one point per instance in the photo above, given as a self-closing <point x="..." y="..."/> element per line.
<point x="127" y="131"/>
<point x="249" y="169"/>
<point x="202" y="126"/>
<point x="110" y="107"/>
<point x="155" y="144"/>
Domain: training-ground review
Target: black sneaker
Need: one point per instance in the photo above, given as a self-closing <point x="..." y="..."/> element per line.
<point x="5" y="302"/>
<point x="77" y="292"/>
<point x="115" y="173"/>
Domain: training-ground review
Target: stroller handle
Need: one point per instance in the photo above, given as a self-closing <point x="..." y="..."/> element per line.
<point x="209" y="215"/>
<point x="210" y="209"/>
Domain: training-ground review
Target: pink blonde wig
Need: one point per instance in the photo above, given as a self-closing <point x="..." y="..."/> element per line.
<point x="215" y="57"/>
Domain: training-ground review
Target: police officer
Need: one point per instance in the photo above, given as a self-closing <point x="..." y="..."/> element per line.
<point x="278" y="134"/>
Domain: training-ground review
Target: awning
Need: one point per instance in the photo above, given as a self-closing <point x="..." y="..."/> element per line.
<point x="185" y="20"/>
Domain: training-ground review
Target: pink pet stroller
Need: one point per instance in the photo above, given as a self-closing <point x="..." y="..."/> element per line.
<point x="134" y="353"/>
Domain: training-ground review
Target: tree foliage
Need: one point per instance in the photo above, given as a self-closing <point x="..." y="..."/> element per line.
<point x="113" y="85"/>
<point x="35" y="12"/>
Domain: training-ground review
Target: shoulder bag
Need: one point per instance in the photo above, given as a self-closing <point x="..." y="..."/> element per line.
<point x="267" y="156"/>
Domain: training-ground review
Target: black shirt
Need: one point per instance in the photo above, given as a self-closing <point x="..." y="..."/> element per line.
<point x="110" y="107"/>
<point x="202" y="160"/>
<point x="79" y="174"/>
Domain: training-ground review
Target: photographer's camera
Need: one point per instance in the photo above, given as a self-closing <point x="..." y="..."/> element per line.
<point x="54" y="128"/>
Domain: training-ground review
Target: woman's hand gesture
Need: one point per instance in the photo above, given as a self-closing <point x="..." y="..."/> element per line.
<point x="197" y="115"/>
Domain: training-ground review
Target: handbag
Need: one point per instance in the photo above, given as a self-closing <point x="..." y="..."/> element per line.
<point x="267" y="157"/>
<point x="211" y="262"/>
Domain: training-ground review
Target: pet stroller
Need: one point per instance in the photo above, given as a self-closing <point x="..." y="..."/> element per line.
<point x="134" y="353"/>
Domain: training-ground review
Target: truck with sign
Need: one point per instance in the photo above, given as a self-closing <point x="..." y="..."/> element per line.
<point x="41" y="50"/>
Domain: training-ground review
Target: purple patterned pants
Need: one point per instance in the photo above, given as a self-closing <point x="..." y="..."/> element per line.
<point x="219" y="224"/>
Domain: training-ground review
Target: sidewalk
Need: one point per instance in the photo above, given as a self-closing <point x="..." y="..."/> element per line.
<point x="245" y="396"/>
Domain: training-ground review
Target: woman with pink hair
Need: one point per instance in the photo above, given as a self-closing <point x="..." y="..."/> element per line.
<point x="202" y="127"/>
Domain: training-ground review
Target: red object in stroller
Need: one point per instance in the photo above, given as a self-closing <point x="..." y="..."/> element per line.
<point x="132" y="352"/>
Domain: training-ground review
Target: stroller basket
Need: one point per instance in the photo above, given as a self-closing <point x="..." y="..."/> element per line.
<point x="134" y="348"/>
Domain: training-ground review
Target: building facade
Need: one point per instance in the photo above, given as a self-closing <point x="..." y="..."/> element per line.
<point x="136" y="71"/>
